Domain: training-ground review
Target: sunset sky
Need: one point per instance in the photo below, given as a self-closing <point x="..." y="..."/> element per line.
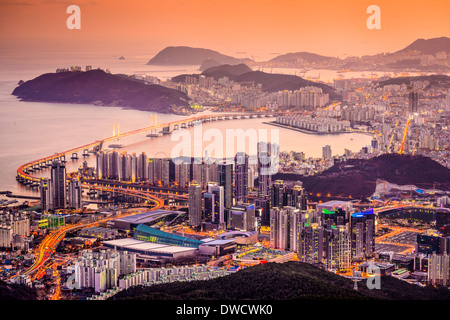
<point x="259" y="28"/>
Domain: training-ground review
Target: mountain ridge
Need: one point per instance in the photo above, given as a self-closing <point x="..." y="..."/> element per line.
<point x="184" y="55"/>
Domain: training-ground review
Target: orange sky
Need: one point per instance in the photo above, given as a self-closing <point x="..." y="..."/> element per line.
<point x="259" y="28"/>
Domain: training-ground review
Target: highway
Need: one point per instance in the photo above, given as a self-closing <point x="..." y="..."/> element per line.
<point x="46" y="248"/>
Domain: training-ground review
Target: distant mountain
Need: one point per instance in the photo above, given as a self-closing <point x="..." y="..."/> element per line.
<point x="270" y="82"/>
<point x="183" y="55"/>
<point x="283" y="281"/>
<point x="101" y="88"/>
<point x="208" y="63"/>
<point x="418" y="58"/>
<point x="357" y="177"/>
<point x="273" y="82"/>
<point x="434" y="79"/>
<point x="428" y="46"/>
<point x="298" y="57"/>
<point x="226" y="70"/>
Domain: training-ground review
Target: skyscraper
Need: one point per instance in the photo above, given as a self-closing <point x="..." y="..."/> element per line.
<point x="337" y="253"/>
<point x="277" y="194"/>
<point x="125" y="167"/>
<point x="295" y="196"/>
<point x="134" y="167"/>
<point x="102" y="165"/>
<point x="439" y="269"/>
<point x="58" y="182"/>
<point x="225" y="171"/>
<point x="242" y="217"/>
<point x="279" y="228"/>
<point x="113" y="165"/>
<point x="241" y="177"/>
<point x="326" y="152"/>
<point x="311" y="243"/>
<point x="46" y="195"/>
<point x="142" y="167"/>
<point x="362" y="234"/>
<point x="208" y="199"/>
<point x="198" y="174"/>
<point x="158" y="171"/>
<point x="195" y="204"/>
<point x="218" y="215"/>
<point x="74" y="194"/>
<point x="267" y="154"/>
<point x="183" y="174"/>
<point x="414" y="102"/>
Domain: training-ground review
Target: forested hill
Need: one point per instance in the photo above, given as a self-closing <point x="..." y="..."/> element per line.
<point x="282" y="281"/>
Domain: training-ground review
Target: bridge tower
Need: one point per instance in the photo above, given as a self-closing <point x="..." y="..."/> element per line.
<point x="116" y="130"/>
<point x="153" y="119"/>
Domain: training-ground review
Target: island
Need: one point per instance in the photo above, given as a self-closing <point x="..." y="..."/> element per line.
<point x="183" y="55"/>
<point x="104" y="89"/>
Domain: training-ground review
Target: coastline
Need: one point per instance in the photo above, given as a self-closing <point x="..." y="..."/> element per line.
<point x="273" y="123"/>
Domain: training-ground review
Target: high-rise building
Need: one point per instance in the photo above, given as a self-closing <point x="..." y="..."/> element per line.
<point x="363" y="234"/>
<point x="279" y="228"/>
<point x="142" y="167"/>
<point x="210" y="172"/>
<point x="285" y="227"/>
<point x="331" y="218"/>
<point x="263" y="206"/>
<point x="225" y="171"/>
<point x="113" y="165"/>
<point x="251" y="177"/>
<point x="267" y="154"/>
<point x="158" y="171"/>
<point x="125" y="167"/>
<point x="195" y="204"/>
<point x="336" y="247"/>
<point x="242" y="217"/>
<point x="58" y="182"/>
<point x="74" y="194"/>
<point x="198" y="174"/>
<point x="46" y="195"/>
<point x="241" y="177"/>
<point x="102" y="165"/>
<point x="311" y="243"/>
<point x="277" y="194"/>
<point x="134" y="167"/>
<point x="218" y="215"/>
<point x="326" y="152"/>
<point x="183" y="174"/>
<point x="428" y="243"/>
<point x="208" y="207"/>
<point x="295" y="196"/>
<point x="414" y="102"/>
<point x="438" y="269"/>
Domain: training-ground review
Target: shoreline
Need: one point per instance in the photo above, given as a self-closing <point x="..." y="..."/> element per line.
<point x="273" y="123"/>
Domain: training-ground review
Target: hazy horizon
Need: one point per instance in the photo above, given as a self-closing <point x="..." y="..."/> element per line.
<point x="243" y="29"/>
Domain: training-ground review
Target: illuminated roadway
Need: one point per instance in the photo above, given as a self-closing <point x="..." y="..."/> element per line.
<point x="48" y="245"/>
